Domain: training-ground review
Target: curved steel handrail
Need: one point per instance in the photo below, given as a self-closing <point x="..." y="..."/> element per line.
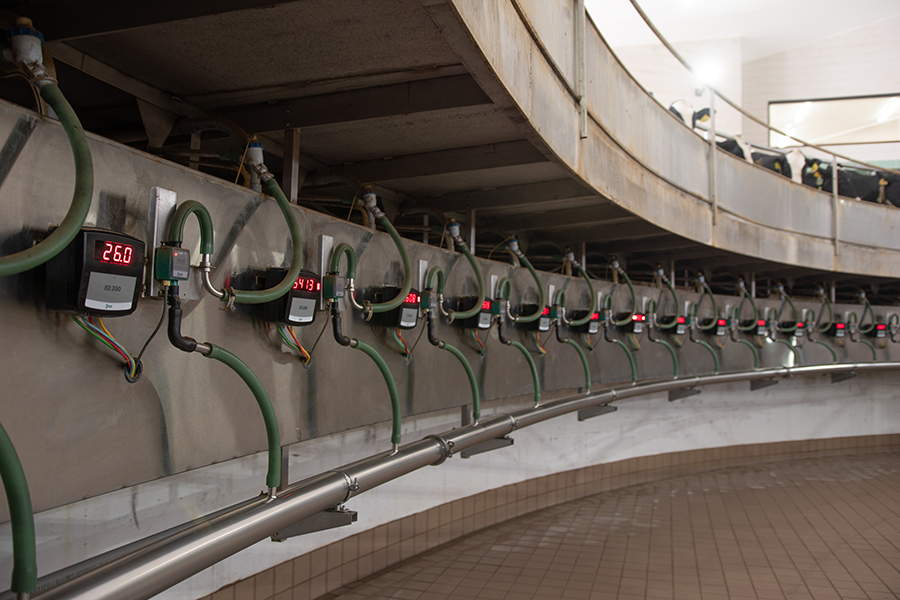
<point x="160" y="561"/>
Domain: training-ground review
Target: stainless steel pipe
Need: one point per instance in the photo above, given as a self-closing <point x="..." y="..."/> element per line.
<point x="143" y="569"/>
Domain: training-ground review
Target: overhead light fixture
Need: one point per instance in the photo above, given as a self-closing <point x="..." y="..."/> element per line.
<point x="804" y="110"/>
<point x="888" y="110"/>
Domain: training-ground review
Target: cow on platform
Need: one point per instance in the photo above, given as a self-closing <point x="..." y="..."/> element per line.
<point x="738" y="147"/>
<point x="684" y="111"/>
<point x="774" y="162"/>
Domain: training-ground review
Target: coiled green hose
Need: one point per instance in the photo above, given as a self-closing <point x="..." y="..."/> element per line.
<point x="390" y="305"/>
<point x="81" y="196"/>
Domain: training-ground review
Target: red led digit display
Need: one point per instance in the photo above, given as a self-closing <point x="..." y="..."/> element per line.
<point x="545" y="312"/>
<point x="881" y="327"/>
<point x="722" y="323"/>
<point x="638" y="317"/>
<point x="595" y="317"/>
<point x="486" y="305"/>
<point x="307" y="284"/>
<point x="761" y="323"/>
<point x="412" y="298"/>
<point x="839" y="326"/>
<point x="681" y="320"/>
<point x="800" y="325"/>
<point x="113" y="253"/>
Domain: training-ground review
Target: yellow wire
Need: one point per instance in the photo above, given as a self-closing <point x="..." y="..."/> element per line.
<point x="497" y="246"/>
<point x="106" y="331"/>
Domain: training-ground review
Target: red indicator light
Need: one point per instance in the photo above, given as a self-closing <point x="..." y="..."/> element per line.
<point x="411" y="298"/>
<point x="681" y="320"/>
<point x="881" y="327"/>
<point x="839" y="326"/>
<point x="486" y="305"/>
<point x="307" y="284"/>
<point x="722" y="323"/>
<point x="112" y="253"/>
<point x="761" y="323"/>
<point x="595" y="317"/>
<point x="642" y="318"/>
<point x="800" y="325"/>
<point x="545" y="312"/>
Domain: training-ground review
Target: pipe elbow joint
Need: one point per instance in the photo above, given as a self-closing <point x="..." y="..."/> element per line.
<point x="185" y="344"/>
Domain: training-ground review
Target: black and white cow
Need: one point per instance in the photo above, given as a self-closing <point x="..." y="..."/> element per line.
<point x="738" y="147"/>
<point x="889" y="187"/>
<point x="684" y="111"/>
<point x="774" y="162"/>
<point x="851" y="183"/>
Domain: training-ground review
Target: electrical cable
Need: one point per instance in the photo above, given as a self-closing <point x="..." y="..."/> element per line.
<point x="474" y="333"/>
<point x="307" y="355"/>
<point x="537" y="342"/>
<point x="162" y="318"/>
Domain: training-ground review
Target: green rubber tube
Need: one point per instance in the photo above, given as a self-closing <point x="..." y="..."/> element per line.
<point x="695" y="311"/>
<point x="407" y="271"/>
<point x="754" y="351"/>
<point x="830" y="349"/>
<point x="795" y="315"/>
<point x="736" y="312"/>
<point x="179" y="219"/>
<point x="81" y="197"/>
<point x="347" y="250"/>
<point x="391" y="385"/>
<point x="584" y="363"/>
<point x="473" y="383"/>
<point x="273" y="476"/>
<point x="711" y="351"/>
<point x="477" y="307"/>
<point x="672" y="352"/>
<point x="282" y="287"/>
<point x="24" y="573"/>
<point x="630" y="356"/>
<point x="872" y="348"/>
<point x="674" y="322"/>
<point x="593" y="309"/>
<point x="541" y="302"/>
<point x="867" y="309"/>
<point x="435" y="273"/>
<point x="504" y="288"/>
<point x="793" y="350"/>
<point x="534" y="374"/>
<point x="627" y="319"/>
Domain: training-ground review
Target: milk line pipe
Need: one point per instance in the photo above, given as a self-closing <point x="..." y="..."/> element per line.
<point x="26" y="44"/>
<point x="175" y="238"/>
<point x="370" y="202"/>
<point x="162" y="560"/>
<point x="607" y="302"/>
<point x="513" y="246"/>
<point x="536" y="382"/>
<point x="187" y="344"/>
<point x="560" y="309"/>
<point x="369" y="351"/>
<point x="470" y="374"/>
<point x="570" y="261"/>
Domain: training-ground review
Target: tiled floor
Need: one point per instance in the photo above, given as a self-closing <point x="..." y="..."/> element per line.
<point x="816" y="528"/>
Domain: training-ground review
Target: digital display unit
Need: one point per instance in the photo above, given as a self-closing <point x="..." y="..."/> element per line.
<point x="721" y="326"/>
<point x="99" y="273"/>
<point x="298" y="305"/>
<point x="540" y="324"/>
<point x="879" y="331"/>
<point x="636" y="323"/>
<point x="482" y="319"/>
<point x="593" y="324"/>
<point x="837" y="330"/>
<point x="680" y="323"/>
<point x="405" y="316"/>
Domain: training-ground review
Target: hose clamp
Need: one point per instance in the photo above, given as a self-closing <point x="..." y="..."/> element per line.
<point x="515" y="422"/>
<point x="262" y="171"/>
<point x="445" y="447"/>
<point x="229" y="305"/>
<point x="370" y="200"/>
<point x="367" y="310"/>
<point x="352" y="485"/>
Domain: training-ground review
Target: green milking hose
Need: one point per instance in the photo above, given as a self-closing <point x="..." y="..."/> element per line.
<point x="81" y="197"/>
<point x="584" y="364"/>
<point x="795" y="314"/>
<point x="534" y="374"/>
<point x="543" y="298"/>
<point x="473" y="382"/>
<point x="695" y="311"/>
<point x="608" y="302"/>
<point x="24" y="573"/>
<point x="593" y="309"/>
<point x="391" y="384"/>
<point x="736" y="312"/>
<point x="560" y="301"/>
<point x="390" y="305"/>
<point x="867" y="309"/>
<point x="479" y="277"/>
<point x="794" y="350"/>
<point x="829" y="348"/>
<point x="631" y="362"/>
<point x="674" y="322"/>
<point x="711" y="351"/>
<point x="341" y="250"/>
<point x="192" y="207"/>
<point x="754" y="351"/>
<point x="273" y="476"/>
<point x="671" y="349"/>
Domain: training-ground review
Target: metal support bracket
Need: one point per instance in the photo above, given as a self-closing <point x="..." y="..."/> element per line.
<point x="758" y="384"/>
<point x="494" y="444"/>
<point x="685" y="393"/>
<point x="162" y="206"/>
<point x="839" y="377"/>
<point x="327" y="519"/>
<point x="595" y="411"/>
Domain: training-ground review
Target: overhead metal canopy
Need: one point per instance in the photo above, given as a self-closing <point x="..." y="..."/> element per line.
<point x="376" y="92"/>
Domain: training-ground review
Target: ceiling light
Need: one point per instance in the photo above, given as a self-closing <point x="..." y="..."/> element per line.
<point x="804" y="110"/>
<point x="888" y="110"/>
